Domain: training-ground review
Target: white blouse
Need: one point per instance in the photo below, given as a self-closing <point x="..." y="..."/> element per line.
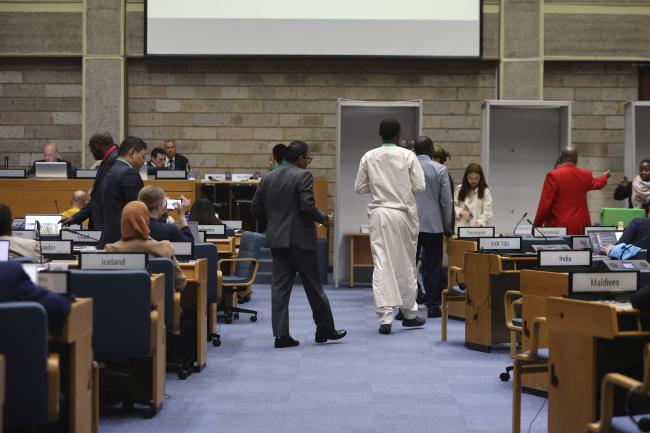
<point x="480" y="209"/>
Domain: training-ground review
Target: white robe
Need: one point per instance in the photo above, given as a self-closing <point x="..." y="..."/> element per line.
<point x="392" y="175"/>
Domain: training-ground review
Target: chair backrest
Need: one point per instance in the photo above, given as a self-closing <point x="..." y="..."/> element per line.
<point x="207" y="250"/>
<point x="164" y="265"/>
<point x="456" y="250"/>
<point x="121" y="311"/>
<point x="249" y="248"/>
<point x="24" y="259"/>
<point x="23" y="342"/>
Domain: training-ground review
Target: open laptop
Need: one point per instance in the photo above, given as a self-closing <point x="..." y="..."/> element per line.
<point x="50" y="225"/>
<point x="4" y="251"/>
<point x="51" y="170"/>
<point x="599" y="239"/>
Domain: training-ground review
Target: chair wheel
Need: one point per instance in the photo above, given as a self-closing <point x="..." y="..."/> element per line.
<point x="253" y="318"/>
<point x="228" y="319"/>
<point x="209" y="338"/>
<point x="236" y="316"/>
<point x="505" y="376"/>
<point x="149" y="411"/>
<point x="182" y="374"/>
<point x="216" y="342"/>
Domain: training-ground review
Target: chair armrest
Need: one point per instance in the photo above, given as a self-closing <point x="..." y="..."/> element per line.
<point x="177" y="313"/>
<point x="610" y="382"/>
<point x="538" y="322"/>
<point x="509" y="309"/>
<point x="253" y="276"/>
<point x="153" y="317"/>
<point x="219" y="286"/>
<point x="53" y="387"/>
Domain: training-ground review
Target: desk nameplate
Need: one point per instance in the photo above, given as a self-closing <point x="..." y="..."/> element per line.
<point x="54" y="248"/>
<point x="504" y="243"/>
<point x="213" y="230"/>
<point x="55" y="281"/>
<point x="580" y="243"/>
<point x="541" y="232"/>
<point x="564" y="258"/>
<point x="83" y="236"/>
<point x="183" y="248"/>
<point x="600" y="229"/>
<point x="24" y="234"/>
<point x="112" y="261"/>
<point x="13" y="173"/>
<point x="603" y="282"/>
<point x="171" y="174"/>
<point x="475" y="232"/>
<point x="241" y="177"/>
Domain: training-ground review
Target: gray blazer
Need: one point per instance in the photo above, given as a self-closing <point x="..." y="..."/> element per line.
<point x="285" y="198"/>
<point x="435" y="204"/>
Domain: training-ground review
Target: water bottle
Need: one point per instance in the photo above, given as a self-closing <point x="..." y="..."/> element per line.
<point x="620" y="225"/>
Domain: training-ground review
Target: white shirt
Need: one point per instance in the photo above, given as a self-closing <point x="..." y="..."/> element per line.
<point x="479" y="209"/>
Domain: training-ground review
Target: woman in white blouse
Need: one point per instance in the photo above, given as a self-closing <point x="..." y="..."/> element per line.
<point x="472" y="199"/>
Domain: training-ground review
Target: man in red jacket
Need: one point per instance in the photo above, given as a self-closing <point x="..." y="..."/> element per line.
<point x="564" y="196"/>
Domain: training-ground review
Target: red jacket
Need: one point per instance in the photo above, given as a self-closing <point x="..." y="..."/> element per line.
<point x="564" y="198"/>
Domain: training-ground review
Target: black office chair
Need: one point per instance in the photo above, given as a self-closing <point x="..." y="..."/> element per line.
<point x="208" y="251"/>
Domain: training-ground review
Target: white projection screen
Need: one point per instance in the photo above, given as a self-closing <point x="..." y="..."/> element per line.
<point x="415" y="28"/>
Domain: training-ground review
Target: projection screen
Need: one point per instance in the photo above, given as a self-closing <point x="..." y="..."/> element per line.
<point x="416" y="28"/>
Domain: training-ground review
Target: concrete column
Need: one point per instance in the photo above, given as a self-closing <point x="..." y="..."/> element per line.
<point x="521" y="50"/>
<point x="103" y="71"/>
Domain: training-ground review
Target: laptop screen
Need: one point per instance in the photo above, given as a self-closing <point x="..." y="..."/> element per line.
<point x="49" y="223"/>
<point x="4" y="251"/>
<point x="599" y="239"/>
<point x="52" y="169"/>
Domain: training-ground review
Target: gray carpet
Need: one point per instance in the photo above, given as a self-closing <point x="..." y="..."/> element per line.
<point x="368" y="383"/>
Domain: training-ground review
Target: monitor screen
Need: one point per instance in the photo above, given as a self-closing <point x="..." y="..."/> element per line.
<point x="601" y="239"/>
<point x="416" y="28"/>
<point x="49" y="223"/>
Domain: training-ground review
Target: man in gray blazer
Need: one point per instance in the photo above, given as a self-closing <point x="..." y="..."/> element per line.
<point x="435" y="208"/>
<point x="285" y="198"/>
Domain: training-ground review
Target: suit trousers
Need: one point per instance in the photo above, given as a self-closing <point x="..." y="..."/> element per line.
<point x="429" y="251"/>
<point x="286" y="262"/>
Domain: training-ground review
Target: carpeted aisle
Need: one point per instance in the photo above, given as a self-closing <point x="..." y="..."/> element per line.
<point x="368" y="383"/>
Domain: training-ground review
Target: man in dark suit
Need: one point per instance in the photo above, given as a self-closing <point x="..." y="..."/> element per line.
<point x="103" y="148"/>
<point x="15" y="286"/>
<point x="157" y="161"/>
<point x="50" y="155"/>
<point x="120" y="186"/>
<point x="175" y="161"/>
<point x="285" y="198"/>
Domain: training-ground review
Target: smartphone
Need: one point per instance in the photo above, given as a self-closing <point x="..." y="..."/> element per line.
<point x="173" y="204"/>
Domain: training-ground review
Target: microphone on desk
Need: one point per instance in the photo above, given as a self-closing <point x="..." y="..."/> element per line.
<point x="514" y="231"/>
<point x="538" y="230"/>
<point x="56" y="203"/>
<point x="6" y="162"/>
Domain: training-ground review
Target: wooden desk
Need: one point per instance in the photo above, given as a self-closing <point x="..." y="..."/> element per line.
<point x="76" y="340"/>
<point x="159" y="350"/>
<point x="360" y="253"/>
<point x="197" y="270"/>
<point x="487" y="278"/>
<point x="2" y="389"/>
<point x="225" y="246"/>
<point x="37" y="196"/>
<point x="586" y="341"/>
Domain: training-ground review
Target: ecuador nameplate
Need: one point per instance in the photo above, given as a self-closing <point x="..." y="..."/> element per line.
<point x="56" y="248"/>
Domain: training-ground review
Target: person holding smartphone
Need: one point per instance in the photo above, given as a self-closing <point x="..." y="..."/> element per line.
<point x="157" y="204"/>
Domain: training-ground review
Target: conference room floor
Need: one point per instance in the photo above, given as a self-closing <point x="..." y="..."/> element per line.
<point x="368" y="383"/>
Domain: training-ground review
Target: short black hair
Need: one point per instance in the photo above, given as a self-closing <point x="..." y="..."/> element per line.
<point x="102" y="139"/>
<point x="129" y="143"/>
<point x="389" y="129"/>
<point x="5" y="220"/>
<point x="295" y="150"/>
<point x="279" y="151"/>
<point x="423" y="146"/>
<point x="644" y="161"/>
<point x="157" y="151"/>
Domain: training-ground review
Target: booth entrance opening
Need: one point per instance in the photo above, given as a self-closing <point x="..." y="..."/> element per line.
<point x="357" y="133"/>
<point x="637" y="136"/>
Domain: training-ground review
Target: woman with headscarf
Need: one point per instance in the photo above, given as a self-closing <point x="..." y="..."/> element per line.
<point x="136" y="239"/>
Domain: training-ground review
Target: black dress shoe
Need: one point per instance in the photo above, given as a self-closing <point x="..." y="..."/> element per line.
<point x="385" y="328"/>
<point x="433" y="313"/>
<point x="282" y="342"/>
<point x="335" y="334"/>
<point x="399" y="315"/>
<point x="415" y="322"/>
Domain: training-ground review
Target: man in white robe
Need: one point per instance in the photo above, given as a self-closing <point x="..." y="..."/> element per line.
<point x="392" y="175"/>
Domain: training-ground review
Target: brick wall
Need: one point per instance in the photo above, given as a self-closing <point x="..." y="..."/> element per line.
<point x="599" y="91"/>
<point x="40" y="101"/>
<point x="229" y="113"/>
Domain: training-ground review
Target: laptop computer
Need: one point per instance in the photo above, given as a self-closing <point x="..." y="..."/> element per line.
<point x="4" y="251"/>
<point x="51" y="170"/>
<point x="50" y="225"/>
<point x="184" y="251"/>
<point x="599" y="239"/>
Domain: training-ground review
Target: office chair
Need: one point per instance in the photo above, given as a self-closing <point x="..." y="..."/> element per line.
<point x="455" y="291"/>
<point x="32" y="375"/>
<point x="246" y="267"/>
<point x="514" y="325"/>
<point x="208" y="251"/>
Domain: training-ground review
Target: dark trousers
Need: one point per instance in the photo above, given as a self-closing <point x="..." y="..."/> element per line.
<point x="429" y="251"/>
<point x="286" y="262"/>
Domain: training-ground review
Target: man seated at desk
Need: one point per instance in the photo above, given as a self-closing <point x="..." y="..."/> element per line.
<point x="50" y="155"/>
<point x="154" y="198"/>
<point x="15" y="286"/>
<point x="78" y="201"/>
<point x="18" y="247"/>
<point x="157" y="160"/>
<point x="175" y="161"/>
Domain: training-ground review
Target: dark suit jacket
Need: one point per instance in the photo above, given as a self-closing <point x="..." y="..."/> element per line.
<point x="120" y="186"/>
<point x="169" y="232"/>
<point x="93" y="209"/>
<point x="637" y="232"/>
<point x="71" y="171"/>
<point x="285" y="198"/>
<point x="180" y="163"/>
<point x="15" y="286"/>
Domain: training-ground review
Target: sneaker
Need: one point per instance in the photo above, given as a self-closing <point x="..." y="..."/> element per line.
<point x="385" y="328"/>
<point x="414" y="323"/>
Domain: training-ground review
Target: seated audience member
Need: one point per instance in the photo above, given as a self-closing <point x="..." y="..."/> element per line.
<point x="637" y="233"/>
<point x="78" y="201"/>
<point x="15" y="286"/>
<point x="277" y="157"/>
<point x="202" y="212"/>
<point x="636" y="192"/>
<point x="175" y="161"/>
<point x="154" y="198"/>
<point x="157" y="160"/>
<point x="136" y="238"/>
<point x="472" y="199"/>
<point x="50" y="155"/>
<point x="18" y="247"/>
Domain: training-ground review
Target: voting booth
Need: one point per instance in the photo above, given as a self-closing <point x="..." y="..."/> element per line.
<point x="520" y="143"/>
<point x="637" y="136"/>
<point x="357" y="133"/>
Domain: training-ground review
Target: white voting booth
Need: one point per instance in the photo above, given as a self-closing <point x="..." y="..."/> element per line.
<point x="357" y="133"/>
<point x="637" y="136"/>
<point x="520" y="143"/>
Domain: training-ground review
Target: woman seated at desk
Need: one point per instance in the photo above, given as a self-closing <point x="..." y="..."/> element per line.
<point x="136" y="239"/>
<point x="472" y="199"/>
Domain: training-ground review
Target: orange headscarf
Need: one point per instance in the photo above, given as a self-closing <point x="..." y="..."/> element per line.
<point x="135" y="221"/>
